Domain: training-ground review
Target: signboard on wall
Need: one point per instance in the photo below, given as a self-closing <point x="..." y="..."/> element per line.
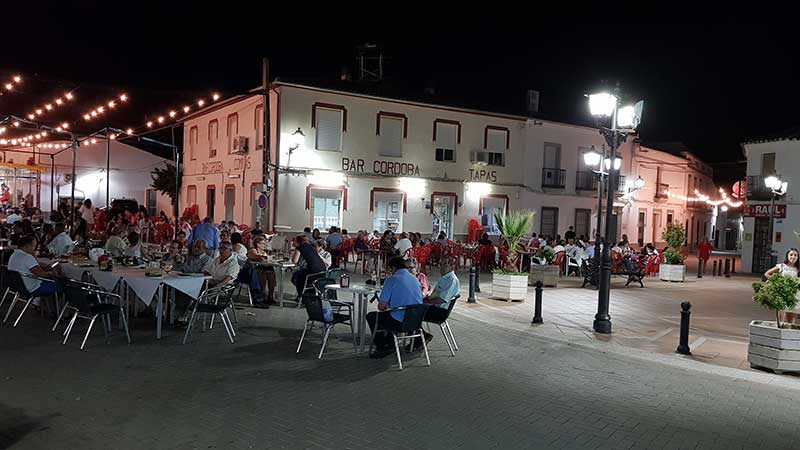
<point x="262" y="201"/>
<point x="764" y="211"/>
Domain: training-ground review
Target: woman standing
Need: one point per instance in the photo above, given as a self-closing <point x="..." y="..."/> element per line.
<point x="305" y="253"/>
<point x="87" y="215"/>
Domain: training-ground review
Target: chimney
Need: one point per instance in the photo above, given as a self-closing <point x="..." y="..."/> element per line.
<point x="345" y="74"/>
<point x="430" y="88"/>
<point x="532" y="102"/>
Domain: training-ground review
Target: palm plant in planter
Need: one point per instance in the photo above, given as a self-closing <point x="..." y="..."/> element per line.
<point x="777" y="346"/>
<point x="507" y="282"/>
<point x="673" y="269"/>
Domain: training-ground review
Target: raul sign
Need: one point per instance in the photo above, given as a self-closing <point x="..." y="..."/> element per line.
<point x="763" y="211"/>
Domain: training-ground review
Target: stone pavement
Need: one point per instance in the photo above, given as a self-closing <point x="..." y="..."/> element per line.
<point x="505" y="389"/>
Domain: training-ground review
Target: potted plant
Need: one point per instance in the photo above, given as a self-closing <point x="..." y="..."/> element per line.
<point x="775" y="345"/>
<point x="507" y="281"/>
<point x="544" y="272"/>
<point x="672" y="269"/>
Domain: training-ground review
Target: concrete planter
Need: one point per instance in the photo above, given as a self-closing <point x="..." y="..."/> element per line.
<point x="548" y="275"/>
<point x="510" y="287"/>
<point x="672" y="272"/>
<point x="774" y="348"/>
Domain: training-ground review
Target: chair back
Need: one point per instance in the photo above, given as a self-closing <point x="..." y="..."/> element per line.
<point x="559" y="259"/>
<point x="314" y="308"/>
<point x="221" y="295"/>
<point x="452" y="304"/>
<point x="16" y="283"/>
<point x="412" y="317"/>
<point x="319" y="286"/>
<point x="78" y="296"/>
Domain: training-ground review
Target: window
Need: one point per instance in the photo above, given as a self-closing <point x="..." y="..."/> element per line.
<point x="640" y="227"/>
<point x="211" y="201"/>
<point x="549" y="223"/>
<point x="213" y="137"/>
<point x="489" y="206"/>
<point x="233" y="130"/>
<point x="326" y="208"/>
<point x="193" y="132"/>
<point x="259" y="124"/>
<point x="443" y="209"/>
<point x="670" y="216"/>
<point x="496" y="142"/>
<point x="552" y="156"/>
<point x="191" y="195"/>
<point x="388" y="207"/>
<point x="230" y="201"/>
<point x="446" y="135"/>
<point x="583" y="219"/>
<point x="151" y="202"/>
<point x="767" y="164"/>
<point x="330" y="121"/>
<point x="391" y="136"/>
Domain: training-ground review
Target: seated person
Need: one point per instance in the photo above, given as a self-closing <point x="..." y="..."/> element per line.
<point x="115" y="245"/>
<point x="134" y="248"/>
<point x="239" y="249"/>
<point x="24" y="262"/>
<point x="61" y="243"/>
<point x="261" y="276"/>
<point x="224" y="268"/>
<point x="197" y="259"/>
<point x="411" y="264"/>
<point x="403" y="245"/>
<point x="445" y="291"/>
<point x="323" y="254"/>
<point x="400" y="289"/>
<point x="174" y="254"/>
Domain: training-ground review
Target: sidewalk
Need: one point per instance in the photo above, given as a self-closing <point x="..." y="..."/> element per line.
<point x="646" y="322"/>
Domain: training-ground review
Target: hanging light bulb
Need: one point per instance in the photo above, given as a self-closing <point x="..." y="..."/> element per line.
<point x="201" y="102"/>
<point x="149" y="124"/>
<point x="68" y="95"/>
<point x="17" y="79"/>
<point x="65" y="125"/>
<point x="129" y="131"/>
<point x="215" y="96"/>
<point x="186" y="109"/>
<point x="59" y="102"/>
<point x="172" y="113"/>
<point x="123" y="98"/>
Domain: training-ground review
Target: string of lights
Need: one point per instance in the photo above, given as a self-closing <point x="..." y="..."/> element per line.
<point x="173" y="114"/>
<point x="100" y="110"/>
<point x="12" y="83"/>
<point x="698" y="197"/>
<point x="57" y="102"/>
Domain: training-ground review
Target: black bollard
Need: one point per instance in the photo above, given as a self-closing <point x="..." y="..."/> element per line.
<point x="733" y="265"/>
<point x="477" y="279"/>
<point x="727" y="267"/>
<point x="699" y="268"/>
<point x="472" y="277"/>
<point x="683" y="345"/>
<point x="537" y="309"/>
<point x="714" y="269"/>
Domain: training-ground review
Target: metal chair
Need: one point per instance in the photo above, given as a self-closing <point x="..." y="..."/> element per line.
<point x="68" y="304"/>
<point x="214" y="301"/>
<point x="308" y="287"/>
<point x="89" y="304"/>
<point x="445" y="326"/>
<point x="21" y="293"/>
<point x="316" y="313"/>
<point x="410" y="328"/>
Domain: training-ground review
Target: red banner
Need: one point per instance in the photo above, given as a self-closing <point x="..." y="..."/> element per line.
<point x="764" y="211"/>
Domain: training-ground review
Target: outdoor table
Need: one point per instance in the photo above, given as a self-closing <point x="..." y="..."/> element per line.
<point x="362" y="291"/>
<point x="280" y="267"/>
<point x="144" y="287"/>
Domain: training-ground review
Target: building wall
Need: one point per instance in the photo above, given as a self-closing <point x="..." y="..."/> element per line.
<point x="787" y="167"/>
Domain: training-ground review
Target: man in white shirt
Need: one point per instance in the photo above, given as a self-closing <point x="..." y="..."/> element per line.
<point x="23" y="261"/>
<point x="403" y="244"/>
<point x="224" y="268"/>
<point x="62" y="243"/>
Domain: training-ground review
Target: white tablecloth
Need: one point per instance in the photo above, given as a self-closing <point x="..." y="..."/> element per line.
<point x="146" y="288"/>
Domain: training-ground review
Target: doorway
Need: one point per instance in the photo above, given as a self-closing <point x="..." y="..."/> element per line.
<point x="210" y="202"/>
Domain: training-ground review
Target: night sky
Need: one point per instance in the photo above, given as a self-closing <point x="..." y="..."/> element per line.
<point x="710" y="84"/>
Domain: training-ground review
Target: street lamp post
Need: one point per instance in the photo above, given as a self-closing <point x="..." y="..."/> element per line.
<point x="778" y="188"/>
<point x="623" y="120"/>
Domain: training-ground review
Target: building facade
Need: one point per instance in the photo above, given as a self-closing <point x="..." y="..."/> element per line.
<point x="778" y="156"/>
<point x="360" y="161"/>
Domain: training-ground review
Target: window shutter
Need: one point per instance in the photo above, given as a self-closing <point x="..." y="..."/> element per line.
<point x="391" y="138"/>
<point x="329" y="129"/>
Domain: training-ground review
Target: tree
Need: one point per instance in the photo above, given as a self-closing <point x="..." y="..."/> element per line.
<point x="778" y="294"/>
<point x="164" y="181"/>
<point x="675" y="236"/>
<point x="514" y="226"/>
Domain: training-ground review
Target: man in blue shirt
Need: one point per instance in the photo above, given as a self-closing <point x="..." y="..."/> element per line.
<point x="207" y="232"/>
<point x="334" y="241"/>
<point x="400" y="289"/>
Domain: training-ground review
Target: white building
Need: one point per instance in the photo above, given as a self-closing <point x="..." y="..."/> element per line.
<point x="774" y="155"/>
<point x="130" y="174"/>
<point x="372" y="162"/>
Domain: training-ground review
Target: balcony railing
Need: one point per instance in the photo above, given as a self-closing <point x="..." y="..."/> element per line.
<point x="585" y="181"/>
<point x="553" y="178"/>
<point x="756" y="189"/>
<point x="661" y="190"/>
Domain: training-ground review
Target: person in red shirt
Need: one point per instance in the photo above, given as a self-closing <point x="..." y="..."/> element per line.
<point x="703" y="253"/>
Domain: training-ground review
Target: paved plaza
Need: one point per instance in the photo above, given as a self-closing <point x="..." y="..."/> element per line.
<point x="511" y="386"/>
